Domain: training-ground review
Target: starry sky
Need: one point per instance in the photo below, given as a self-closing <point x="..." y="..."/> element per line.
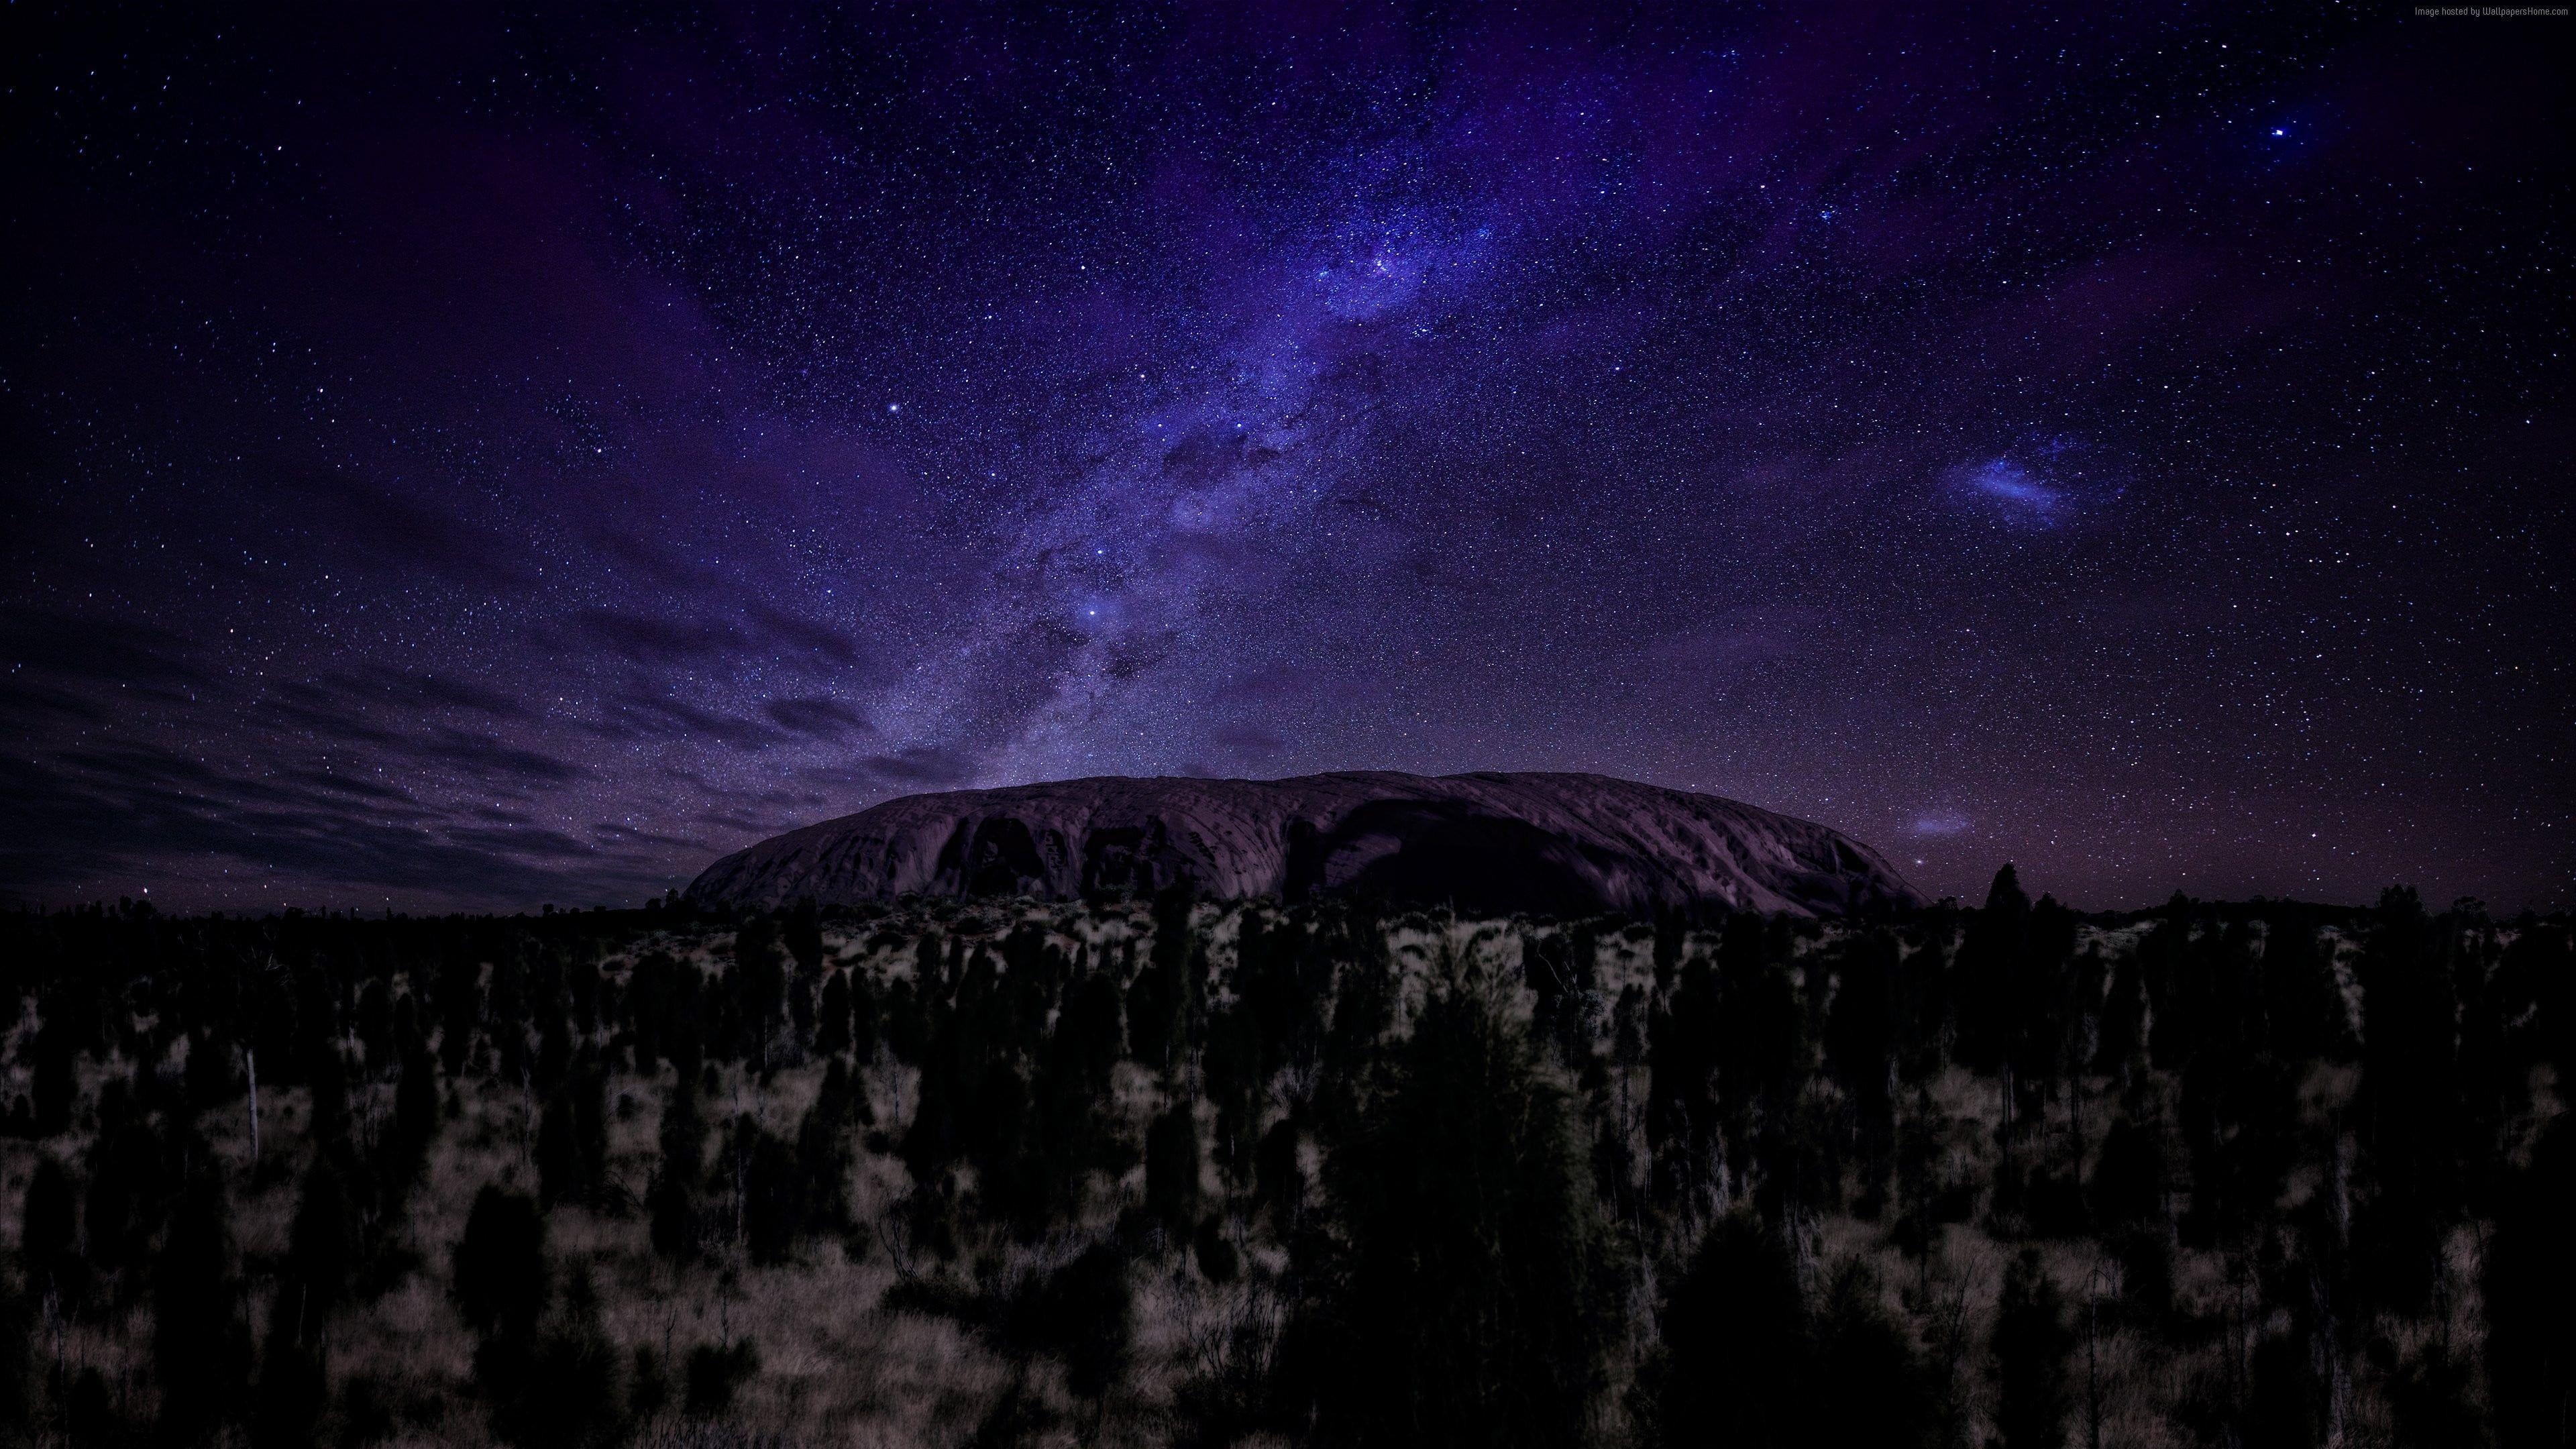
<point x="459" y="457"/>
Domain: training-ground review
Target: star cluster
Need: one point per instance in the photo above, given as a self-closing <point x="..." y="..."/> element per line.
<point x="477" y="457"/>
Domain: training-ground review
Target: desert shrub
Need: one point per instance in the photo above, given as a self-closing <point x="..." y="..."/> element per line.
<point x="1215" y="1252"/>
<point x="1017" y="1417"/>
<point x="2281" y="1410"/>
<point x="2128" y="1184"/>
<point x="1230" y="1391"/>
<point x="1084" y="1312"/>
<point x="45" y="1237"/>
<point x="934" y="1297"/>
<point x="1867" y="1383"/>
<point x="1090" y="1031"/>
<point x="500" y="1264"/>
<point x="673" y="1195"/>
<point x="773" y="1203"/>
<point x="1150" y="1007"/>
<point x="293" y="1389"/>
<point x="2530" y="1285"/>
<point x="287" y="1406"/>
<point x="559" y="1382"/>
<point x="123" y="1205"/>
<point x="1172" y="1169"/>
<point x="89" y="1412"/>
<point x="53" y="1087"/>
<point x="2031" y="1341"/>
<point x="821" y="1186"/>
<point x="714" y="1373"/>
<point x="832" y="1018"/>
<point x="213" y="1076"/>
<point x="200" y="1345"/>
<point x="321" y="1251"/>
<point x="367" y="1407"/>
<point x="867" y="1018"/>
<point x="559" y="1158"/>
<point x="2434" y="1402"/>
<point x="416" y="1120"/>
<point x="648" y="1385"/>
<point x="1735" y="1366"/>
<point x="17" y="1357"/>
<point x="1279" y="1182"/>
<point x="565" y="1391"/>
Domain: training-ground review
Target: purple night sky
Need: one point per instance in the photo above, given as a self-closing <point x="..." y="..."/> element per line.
<point x="464" y="458"/>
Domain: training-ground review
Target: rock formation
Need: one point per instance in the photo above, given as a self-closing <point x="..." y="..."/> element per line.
<point x="1544" y="844"/>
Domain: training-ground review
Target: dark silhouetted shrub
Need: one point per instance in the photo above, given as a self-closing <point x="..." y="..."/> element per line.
<point x="500" y="1265"/>
<point x="2031" y="1341"/>
<point x="1467" y="1309"/>
<point x="715" y="1372"/>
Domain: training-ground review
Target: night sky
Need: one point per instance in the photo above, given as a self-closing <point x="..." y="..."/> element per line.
<point x="470" y="458"/>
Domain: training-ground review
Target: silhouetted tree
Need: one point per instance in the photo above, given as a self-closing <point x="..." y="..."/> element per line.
<point x="2407" y="1108"/>
<point x="45" y="1238"/>
<point x="375" y="1026"/>
<point x="1085" y="1313"/>
<point x="572" y="1141"/>
<point x="832" y="1019"/>
<point x="321" y="1250"/>
<point x="1150" y="1012"/>
<point x="802" y="934"/>
<point x="773" y="1206"/>
<point x="1172" y="1169"/>
<point x="1865" y="1383"/>
<point x="566" y="1388"/>
<point x="1989" y="956"/>
<point x="459" y="997"/>
<point x="415" y="1121"/>
<point x="17" y="1359"/>
<point x="200" y="1345"/>
<point x="52" y="1086"/>
<point x="500" y="1280"/>
<point x="2031" y="1341"/>
<point x="321" y="1253"/>
<point x="1468" y="1308"/>
<point x="1214" y="1252"/>
<point x="1682" y="1121"/>
<point x="1735" y="1366"/>
<point x="759" y="985"/>
<point x="122" y="1207"/>
<point x="2530" y="1288"/>
<point x="713" y="1373"/>
<point x="866" y="1019"/>
<point x="1860" y="1048"/>
<point x="2123" y="1041"/>
<point x="1231" y="1068"/>
<point x="674" y="1191"/>
<point x="823" y="1153"/>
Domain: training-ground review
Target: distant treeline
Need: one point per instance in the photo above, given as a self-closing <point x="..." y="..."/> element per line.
<point x="2254" y="1174"/>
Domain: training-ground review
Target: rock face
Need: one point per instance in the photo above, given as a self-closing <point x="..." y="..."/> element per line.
<point x="1486" y="843"/>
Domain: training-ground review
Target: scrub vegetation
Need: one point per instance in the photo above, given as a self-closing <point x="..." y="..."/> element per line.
<point x="1160" y="1171"/>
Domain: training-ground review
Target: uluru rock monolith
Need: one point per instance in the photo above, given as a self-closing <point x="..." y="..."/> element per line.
<point x="1495" y="843"/>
